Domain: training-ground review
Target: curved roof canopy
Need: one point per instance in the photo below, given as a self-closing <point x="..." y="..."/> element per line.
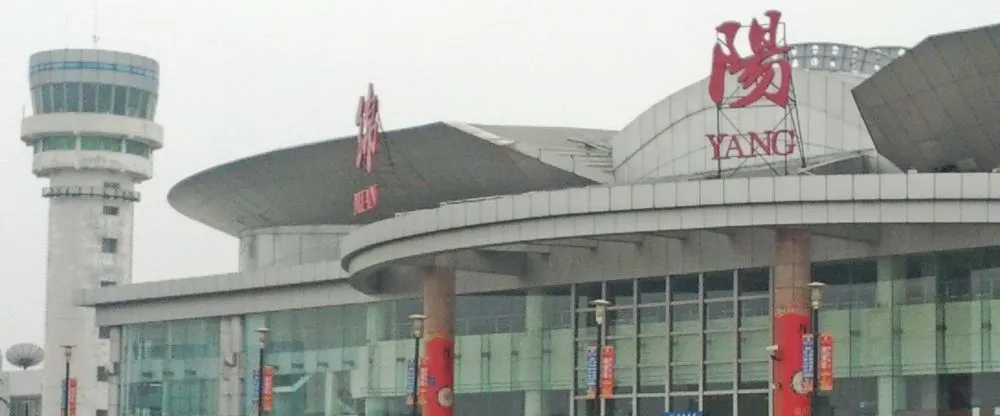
<point x="416" y="168"/>
<point x="935" y="108"/>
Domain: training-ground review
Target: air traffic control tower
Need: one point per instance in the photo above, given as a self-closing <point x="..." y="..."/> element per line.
<point x="93" y="137"/>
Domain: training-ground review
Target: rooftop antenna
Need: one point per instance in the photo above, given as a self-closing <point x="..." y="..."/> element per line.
<point x="94" y="37"/>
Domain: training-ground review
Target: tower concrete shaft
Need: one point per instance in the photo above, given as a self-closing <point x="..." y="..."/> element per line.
<point x="93" y="137"/>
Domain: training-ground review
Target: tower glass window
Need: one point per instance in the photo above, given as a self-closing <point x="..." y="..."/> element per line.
<point x="109" y="245"/>
<point x="102" y="143"/>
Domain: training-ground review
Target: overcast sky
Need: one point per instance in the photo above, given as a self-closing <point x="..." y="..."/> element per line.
<point x="240" y="77"/>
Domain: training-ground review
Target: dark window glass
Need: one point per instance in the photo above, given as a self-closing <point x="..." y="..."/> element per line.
<point x="755" y="281"/>
<point x="620" y="292"/>
<point x="89" y="95"/>
<point x="121" y="100"/>
<point x="683" y="403"/>
<point x="719" y="405"/>
<point x="47" y="103"/>
<point x="587" y="292"/>
<point x="718" y="285"/>
<point x="73" y="97"/>
<point x="59" y="98"/>
<point x="143" y="105"/>
<point x="110" y="210"/>
<point x="132" y="108"/>
<point x="652" y="290"/>
<point x="684" y="287"/>
<point x="137" y="148"/>
<point x="109" y="245"/>
<point x="752" y="404"/>
<point x="104" y="98"/>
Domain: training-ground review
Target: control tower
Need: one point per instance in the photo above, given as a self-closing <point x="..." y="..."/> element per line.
<point x="93" y="136"/>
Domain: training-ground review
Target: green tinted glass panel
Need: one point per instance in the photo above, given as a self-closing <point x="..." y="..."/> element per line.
<point x="59" y="142"/>
<point x="104" y="143"/>
<point x="136" y="148"/>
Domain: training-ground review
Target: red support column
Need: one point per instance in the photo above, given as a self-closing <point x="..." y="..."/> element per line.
<point x="790" y="300"/>
<point x="439" y="307"/>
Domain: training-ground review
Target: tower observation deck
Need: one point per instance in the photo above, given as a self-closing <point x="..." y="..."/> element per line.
<point x="93" y="136"/>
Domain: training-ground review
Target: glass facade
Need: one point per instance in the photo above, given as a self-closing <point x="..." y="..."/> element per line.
<point x="89" y="97"/>
<point x="170" y="368"/>
<point x="913" y="336"/>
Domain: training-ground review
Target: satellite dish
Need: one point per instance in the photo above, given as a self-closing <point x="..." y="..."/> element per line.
<point x="25" y="355"/>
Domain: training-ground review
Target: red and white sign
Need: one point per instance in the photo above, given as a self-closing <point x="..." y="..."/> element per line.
<point x="369" y="126"/>
<point x="753" y="144"/>
<point x="825" y="362"/>
<point x="268" y="388"/>
<point x="72" y="397"/>
<point x="756" y="72"/>
<point x="369" y="130"/>
<point x="422" y="382"/>
<point x="366" y="200"/>
<point x="607" y="371"/>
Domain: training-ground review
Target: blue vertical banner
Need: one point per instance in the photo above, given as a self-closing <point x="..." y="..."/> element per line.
<point x="684" y="413"/>
<point x="808" y="355"/>
<point x="255" y="387"/>
<point x="592" y="369"/>
<point x="411" y="382"/>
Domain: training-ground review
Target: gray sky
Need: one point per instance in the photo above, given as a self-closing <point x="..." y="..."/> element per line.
<point x="240" y="77"/>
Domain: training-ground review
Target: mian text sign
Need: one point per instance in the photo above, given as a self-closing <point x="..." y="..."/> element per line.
<point x="369" y="135"/>
<point x="753" y="144"/>
<point x="763" y="73"/>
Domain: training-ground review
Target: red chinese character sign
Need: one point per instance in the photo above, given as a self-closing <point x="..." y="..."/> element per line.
<point x="369" y="123"/>
<point x="369" y="130"/>
<point x="760" y="75"/>
<point x="755" y="73"/>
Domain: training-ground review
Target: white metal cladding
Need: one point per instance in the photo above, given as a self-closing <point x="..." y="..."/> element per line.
<point x="676" y="206"/>
<point x="669" y="138"/>
<point x="146" y="131"/>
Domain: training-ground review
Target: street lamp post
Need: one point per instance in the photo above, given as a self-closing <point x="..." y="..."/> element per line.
<point x="262" y="337"/>
<point x="418" y="333"/>
<point x="600" y="314"/>
<point x="815" y="299"/>
<point x="68" y="354"/>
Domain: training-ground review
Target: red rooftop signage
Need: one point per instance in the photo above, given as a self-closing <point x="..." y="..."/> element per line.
<point x="755" y="73"/>
<point x="765" y="143"/>
<point x="369" y="135"/>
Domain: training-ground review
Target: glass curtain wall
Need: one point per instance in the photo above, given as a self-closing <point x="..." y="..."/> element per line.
<point x="684" y="343"/>
<point x="170" y="368"/>
<point x="914" y="335"/>
<point x="512" y="350"/>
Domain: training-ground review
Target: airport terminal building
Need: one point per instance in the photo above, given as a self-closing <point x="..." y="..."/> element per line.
<point x="698" y="228"/>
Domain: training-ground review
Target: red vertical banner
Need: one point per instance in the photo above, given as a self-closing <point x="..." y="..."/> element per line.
<point x="422" y="382"/>
<point x="440" y="364"/>
<point x="268" y="388"/>
<point x="791" y="398"/>
<point x="72" y="397"/>
<point x="825" y="362"/>
<point x="607" y="371"/>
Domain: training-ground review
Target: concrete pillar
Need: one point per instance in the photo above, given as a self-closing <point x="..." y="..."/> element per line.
<point x="531" y="363"/>
<point x="790" y="300"/>
<point x="114" y="378"/>
<point x="891" y="392"/>
<point x="230" y="349"/>
<point x="439" y="347"/>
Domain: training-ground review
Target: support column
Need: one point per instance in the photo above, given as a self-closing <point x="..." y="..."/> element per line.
<point x="531" y="362"/>
<point x="790" y="300"/>
<point x="439" y="347"/>
<point x="376" y="317"/>
<point x="891" y="391"/>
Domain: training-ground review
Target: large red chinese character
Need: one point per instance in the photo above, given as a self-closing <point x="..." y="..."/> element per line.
<point x="756" y="72"/>
<point x="369" y="129"/>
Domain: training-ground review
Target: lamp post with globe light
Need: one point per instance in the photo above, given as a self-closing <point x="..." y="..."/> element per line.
<point x="24" y="356"/>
